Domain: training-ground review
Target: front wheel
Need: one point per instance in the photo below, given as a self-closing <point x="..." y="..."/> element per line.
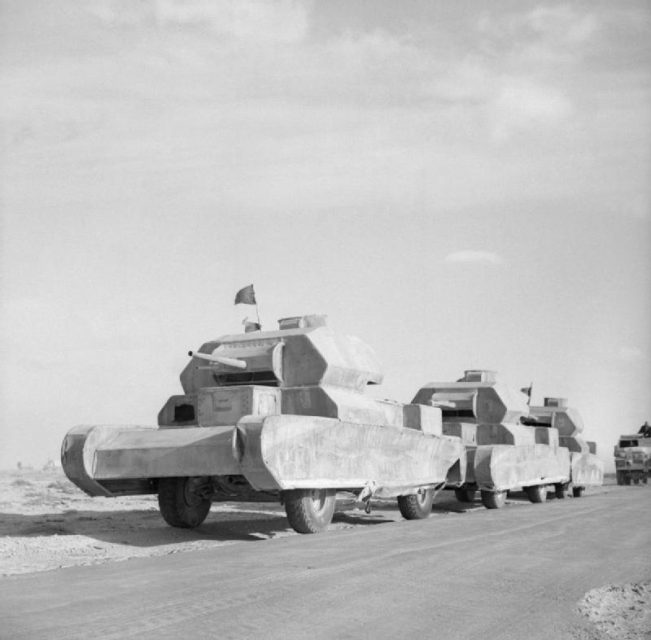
<point x="183" y="502"/>
<point x="417" y="505"/>
<point x="493" y="499"/>
<point x="310" y="510"/>
<point x="536" y="493"/>
<point x="577" y="492"/>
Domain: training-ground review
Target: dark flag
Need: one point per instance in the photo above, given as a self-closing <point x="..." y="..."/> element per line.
<point x="245" y="296"/>
<point x="527" y="392"/>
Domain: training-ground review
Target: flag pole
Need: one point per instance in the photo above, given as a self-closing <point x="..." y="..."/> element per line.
<point x="257" y="313"/>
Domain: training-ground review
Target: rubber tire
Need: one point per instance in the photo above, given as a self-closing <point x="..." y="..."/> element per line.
<point x="493" y="499"/>
<point x="636" y="480"/>
<point x="177" y="507"/>
<point x="417" y="505"/>
<point x="310" y="510"/>
<point x="620" y="478"/>
<point x="559" y="491"/>
<point x="577" y="492"/>
<point x="536" y="493"/>
<point x="627" y="480"/>
<point x="463" y="494"/>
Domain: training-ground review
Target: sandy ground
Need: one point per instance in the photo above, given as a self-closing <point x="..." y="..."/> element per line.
<point x="46" y="523"/>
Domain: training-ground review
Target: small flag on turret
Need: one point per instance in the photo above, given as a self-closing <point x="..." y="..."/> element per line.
<point x="245" y="296"/>
<point x="527" y="392"/>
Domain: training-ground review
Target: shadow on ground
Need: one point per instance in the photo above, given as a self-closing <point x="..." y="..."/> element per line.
<point x="144" y="528"/>
<point x="226" y="521"/>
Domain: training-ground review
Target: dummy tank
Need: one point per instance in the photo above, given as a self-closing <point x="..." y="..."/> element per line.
<point x="633" y="457"/>
<point x="502" y="453"/>
<point x="278" y="414"/>
<point x="586" y="468"/>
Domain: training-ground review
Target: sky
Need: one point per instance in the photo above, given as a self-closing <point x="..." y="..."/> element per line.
<point x="461" y="184"/>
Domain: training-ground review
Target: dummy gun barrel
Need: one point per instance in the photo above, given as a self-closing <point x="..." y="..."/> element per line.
<point x="229" y="362"/>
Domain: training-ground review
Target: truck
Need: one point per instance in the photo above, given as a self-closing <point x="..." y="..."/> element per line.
<point x="633" y="457"/>
<point x="279" y="415"/>
<point x="509" y="445"/>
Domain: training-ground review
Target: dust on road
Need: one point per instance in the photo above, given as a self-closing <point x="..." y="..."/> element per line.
<point x="46" y="523"/>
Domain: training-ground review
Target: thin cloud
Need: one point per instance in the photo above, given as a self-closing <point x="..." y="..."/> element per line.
<point x="522" y="105"/>
<point x="474" y="257"/>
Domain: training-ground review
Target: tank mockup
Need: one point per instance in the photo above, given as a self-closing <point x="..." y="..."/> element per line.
<point x="586" y="469"/>
<point x="274" y="414"/>
<point x="505" y="449"/>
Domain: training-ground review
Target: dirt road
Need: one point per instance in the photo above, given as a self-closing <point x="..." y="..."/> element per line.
<point x="576" y="568"/>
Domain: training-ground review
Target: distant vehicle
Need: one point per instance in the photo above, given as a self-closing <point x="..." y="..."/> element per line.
<point x="633" y="457"/>
<point x="510" y="445"/>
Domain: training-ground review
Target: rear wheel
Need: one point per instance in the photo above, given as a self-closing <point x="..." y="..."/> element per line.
<point x="310" y="510"/>
<point x="620" y="478"/>
<point x="417" y="505"/>
<point x="493" y="499"/>
<point x="577" y="492"/>
<point x="465" y="494"/>
<point x="627" y="480"/>
<point x="536" y="493"/>
<point x="183" y="502"/>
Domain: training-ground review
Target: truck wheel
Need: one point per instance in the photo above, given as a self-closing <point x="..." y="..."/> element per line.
<point x="559" y="491"/>
<point x="577" y="492"/>
<point x="417" y="505"/>
<point x="620" y="478"/>
<point x="464" y="494"/>
<point x="493" y="499"/>
<point x="636" y="480"/>
<point x="310" y="510"/>
<point x="536" y="493"/>
<point x="181" y="502"/>
<point x="627" y="480"/>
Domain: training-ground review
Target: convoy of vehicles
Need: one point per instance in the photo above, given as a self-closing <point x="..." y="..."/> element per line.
<point x="282" y="415"/>
<point x="510" y="445"/>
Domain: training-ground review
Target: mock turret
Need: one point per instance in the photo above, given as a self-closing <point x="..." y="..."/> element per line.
<point x="556" y="413"/>
<point x="303" y="368"/>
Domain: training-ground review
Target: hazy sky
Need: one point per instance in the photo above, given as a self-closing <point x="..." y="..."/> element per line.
<point x="462" y="184"/>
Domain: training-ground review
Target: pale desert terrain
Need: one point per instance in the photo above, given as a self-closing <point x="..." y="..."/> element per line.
<point x="46" y="523"/>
